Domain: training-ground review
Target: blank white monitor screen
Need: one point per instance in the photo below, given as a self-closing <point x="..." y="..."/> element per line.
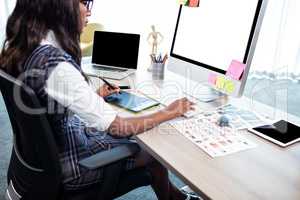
<point x="216" y="33"/>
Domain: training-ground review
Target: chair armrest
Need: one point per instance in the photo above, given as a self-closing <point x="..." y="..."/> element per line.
<point x="109" y="156"/>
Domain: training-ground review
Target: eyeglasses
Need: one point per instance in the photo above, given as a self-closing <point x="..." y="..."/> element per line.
<point x="88" y="4"/>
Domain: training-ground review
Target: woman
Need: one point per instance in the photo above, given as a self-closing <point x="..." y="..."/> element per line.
<point x="42" y="47"/>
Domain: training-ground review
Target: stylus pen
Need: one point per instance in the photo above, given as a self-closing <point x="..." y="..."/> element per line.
<point x="107" y="83"/>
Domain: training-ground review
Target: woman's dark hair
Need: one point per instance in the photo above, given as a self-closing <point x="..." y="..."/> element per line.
<point x="30" y="22"/>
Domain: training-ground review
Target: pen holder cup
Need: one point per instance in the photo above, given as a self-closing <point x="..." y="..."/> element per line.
<point x="158" y="71"/>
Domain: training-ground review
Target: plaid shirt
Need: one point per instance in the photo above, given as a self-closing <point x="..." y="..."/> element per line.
<point x="74" y="140"/>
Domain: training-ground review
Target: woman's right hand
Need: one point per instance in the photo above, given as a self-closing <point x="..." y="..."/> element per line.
<point x="179" y="107"/>
<point x="105" y="90"/>
<point x="125" y="127"/>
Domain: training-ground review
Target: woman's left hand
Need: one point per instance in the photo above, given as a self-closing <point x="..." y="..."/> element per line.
<point x="105" y="90"/>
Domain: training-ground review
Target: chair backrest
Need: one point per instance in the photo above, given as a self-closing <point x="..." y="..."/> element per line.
<point x="34" y="170"/>
<point x="87" y="34"/>
<point x="87" y="37"/>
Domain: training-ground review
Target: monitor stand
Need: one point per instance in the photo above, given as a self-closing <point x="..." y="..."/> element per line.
<point x="206" y="93"/>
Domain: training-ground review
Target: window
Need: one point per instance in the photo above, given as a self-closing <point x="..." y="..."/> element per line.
<point x="6" y="6"/>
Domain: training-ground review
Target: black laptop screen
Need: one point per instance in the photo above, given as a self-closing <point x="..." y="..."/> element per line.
<point x="116" y="49"/>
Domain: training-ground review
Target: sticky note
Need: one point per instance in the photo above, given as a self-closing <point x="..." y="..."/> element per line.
<point x="236" y="70"/>
<point x="183" y="2"/>
<point x="194" y="3"/>
<point x="212" y="78"/>
<point x="220" y="82"/>
<point x="190" y="3"/>
<point x="229" y="87"/>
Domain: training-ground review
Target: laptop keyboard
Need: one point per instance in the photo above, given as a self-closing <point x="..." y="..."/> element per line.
<point x="109" y="69"/>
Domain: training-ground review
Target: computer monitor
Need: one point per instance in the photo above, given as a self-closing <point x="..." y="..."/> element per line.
<point x="209" y="37"/>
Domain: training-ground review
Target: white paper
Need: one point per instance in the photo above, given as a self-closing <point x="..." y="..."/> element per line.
<point x="216" y="141"/>
<point x="240" y="118"/>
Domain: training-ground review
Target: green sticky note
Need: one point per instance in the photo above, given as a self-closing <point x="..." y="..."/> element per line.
<point x="229" y="87"/>
<point x="220" y="83"/>
<point x="183" y="2"/>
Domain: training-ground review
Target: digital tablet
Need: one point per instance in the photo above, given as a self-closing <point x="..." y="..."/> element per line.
<point x="130" y="101"/>
<point x="282" y="133"/>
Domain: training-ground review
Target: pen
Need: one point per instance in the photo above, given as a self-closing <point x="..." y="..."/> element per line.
<point x="152" y="58"/>
<point x="155" y="58"/>
<point x="159" y="58"/>
<point x="109" y="84"/>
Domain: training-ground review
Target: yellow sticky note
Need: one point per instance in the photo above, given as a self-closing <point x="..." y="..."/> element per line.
<point x="220" y="83"/>
<point x="229" y="87"/>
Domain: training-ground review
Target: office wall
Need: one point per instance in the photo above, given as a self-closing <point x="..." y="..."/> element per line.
<point x="128" y="16"/>
<point x="138" y="16"/>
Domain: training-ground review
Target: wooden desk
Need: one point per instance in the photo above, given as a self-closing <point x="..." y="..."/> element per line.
<point x="265" y="172"/>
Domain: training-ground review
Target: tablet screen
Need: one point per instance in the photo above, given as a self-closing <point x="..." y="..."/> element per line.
<point x="130" y="101"/>
<point x="281" y="131"/>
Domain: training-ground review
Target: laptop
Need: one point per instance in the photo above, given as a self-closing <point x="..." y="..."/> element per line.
<point x="115" y="55"/>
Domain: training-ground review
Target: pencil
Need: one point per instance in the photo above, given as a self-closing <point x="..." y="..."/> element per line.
<point x="165" y="58"/>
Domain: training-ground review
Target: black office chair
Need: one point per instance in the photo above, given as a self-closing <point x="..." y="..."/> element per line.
<point x="34" y="171"/>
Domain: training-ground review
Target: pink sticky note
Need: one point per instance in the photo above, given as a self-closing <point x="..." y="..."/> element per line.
<point x="212" y="78"/>
<point x="194" y="3"/>
<point x="236" y="70"/>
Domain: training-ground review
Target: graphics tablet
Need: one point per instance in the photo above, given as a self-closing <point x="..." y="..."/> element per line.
<point x="282" y="133"/>
<point x="130" y="101"/>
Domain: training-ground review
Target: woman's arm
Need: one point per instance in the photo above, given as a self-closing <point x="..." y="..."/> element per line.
<point x="124" y="127"/>
<point x="67" y="86"/>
